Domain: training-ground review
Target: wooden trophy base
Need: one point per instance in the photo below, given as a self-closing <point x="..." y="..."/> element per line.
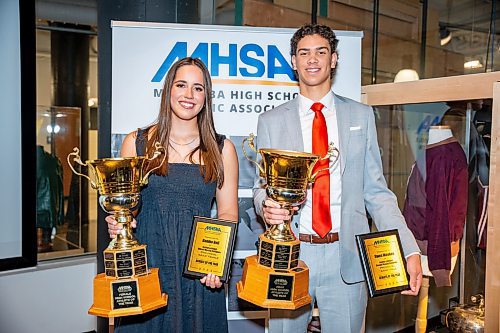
<point x="125" y="297"/>
<point x="274" y="288"/>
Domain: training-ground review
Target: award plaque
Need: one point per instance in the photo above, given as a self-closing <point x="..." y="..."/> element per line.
<point x="127" y="286"/>
<point x="383" y="262"/>
<point x="210" y="248"/>
<point x="276" y="278"/>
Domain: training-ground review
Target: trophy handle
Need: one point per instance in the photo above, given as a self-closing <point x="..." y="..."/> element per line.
<point x="251" y="144"/>
<point x="158" y="150"/>
<point x="332" y="151"/>
<point x="76" y="158"/>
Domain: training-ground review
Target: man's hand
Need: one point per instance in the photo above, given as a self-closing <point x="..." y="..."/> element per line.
<point x="115" y="227"/>
<point x="415" y="271"/>
<point x="274" y="214"/>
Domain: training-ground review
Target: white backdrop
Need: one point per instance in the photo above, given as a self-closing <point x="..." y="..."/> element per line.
<point x="250" y="68"/>
<point x="251" y="73"/>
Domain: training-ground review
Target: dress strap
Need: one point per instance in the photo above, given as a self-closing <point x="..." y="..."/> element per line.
<point x="140" y="141"/>
<point x="220" y="141"/>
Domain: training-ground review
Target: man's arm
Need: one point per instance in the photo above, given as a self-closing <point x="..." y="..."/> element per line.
<point x="263" y="140"/>
<point x="382" y="205"/>
<point x="271" y="212"/>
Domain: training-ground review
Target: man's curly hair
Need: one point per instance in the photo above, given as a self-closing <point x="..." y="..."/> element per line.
<point x="314" y="29"/>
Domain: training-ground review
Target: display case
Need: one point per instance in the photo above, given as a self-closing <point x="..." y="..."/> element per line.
<point x="61" y="227"/>
<point x="467" y="106"/>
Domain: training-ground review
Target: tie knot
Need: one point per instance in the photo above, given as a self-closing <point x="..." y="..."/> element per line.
<point x="317" y="107"/>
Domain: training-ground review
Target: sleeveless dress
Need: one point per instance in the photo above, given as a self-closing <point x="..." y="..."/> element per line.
<point x="164" y="225"/>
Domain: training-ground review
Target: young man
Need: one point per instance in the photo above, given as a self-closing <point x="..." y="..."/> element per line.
<point x="335" y="209"/>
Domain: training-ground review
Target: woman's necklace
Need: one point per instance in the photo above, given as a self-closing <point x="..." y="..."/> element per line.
<point x="182" y="144"/>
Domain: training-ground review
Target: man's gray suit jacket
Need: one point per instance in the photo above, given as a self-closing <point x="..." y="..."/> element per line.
<point x="363" y="184"/>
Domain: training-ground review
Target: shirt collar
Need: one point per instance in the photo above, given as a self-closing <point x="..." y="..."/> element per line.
<point x="306" y="103"/>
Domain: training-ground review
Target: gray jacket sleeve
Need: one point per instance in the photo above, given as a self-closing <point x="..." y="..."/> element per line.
<point x="263" y="141"/>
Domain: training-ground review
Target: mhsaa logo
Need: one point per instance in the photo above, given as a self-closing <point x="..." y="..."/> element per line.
<point x="247" y="60"/>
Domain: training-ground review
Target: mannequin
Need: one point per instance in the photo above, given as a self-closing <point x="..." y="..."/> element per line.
<point x="435" y="210"/>
<point x="438" y="134"/>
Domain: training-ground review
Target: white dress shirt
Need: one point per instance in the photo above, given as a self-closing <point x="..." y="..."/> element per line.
<point x="306" y="123"/>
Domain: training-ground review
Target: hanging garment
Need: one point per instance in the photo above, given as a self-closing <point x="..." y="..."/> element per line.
<point x="49" y="188"/>
<point x="436" y="204"/>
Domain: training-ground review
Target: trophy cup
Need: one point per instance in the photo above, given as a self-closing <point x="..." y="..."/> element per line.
<point x="127" y="287"/>
<point x="275" y="277"/>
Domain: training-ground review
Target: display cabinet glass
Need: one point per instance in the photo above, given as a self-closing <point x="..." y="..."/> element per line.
<point x="64" y="218"/>
<point x="405" y="114"/>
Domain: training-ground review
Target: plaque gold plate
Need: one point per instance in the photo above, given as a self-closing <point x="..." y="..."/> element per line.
<point x="127" y="286"/>
<point x="383" y="263"/>
<point x="210" y="248"/>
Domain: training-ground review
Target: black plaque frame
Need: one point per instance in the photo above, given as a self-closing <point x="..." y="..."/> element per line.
<point x="367" y="269"/>
<point x="230" y="247"/>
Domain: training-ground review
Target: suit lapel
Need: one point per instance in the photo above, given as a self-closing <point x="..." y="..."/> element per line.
<point x="293" y="130"/>
<point x="343" y="121"/>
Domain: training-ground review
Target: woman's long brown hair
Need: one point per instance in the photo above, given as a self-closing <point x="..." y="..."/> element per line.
<point x="209" y="154"/>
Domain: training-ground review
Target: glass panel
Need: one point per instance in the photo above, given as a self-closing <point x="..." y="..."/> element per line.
<point x="462" y="37"/>
<point x="458" y="34"/>
<point x="224" y="12"/>
<point x="66" y="206"/>
<point x="458" y="39"/>
<point x="407" y="135"/>
<point x="58" y="191"/>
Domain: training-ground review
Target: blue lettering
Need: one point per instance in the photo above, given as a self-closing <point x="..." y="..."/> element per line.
<point x="201" y="52"/>
<point x="274" y="55"/>
<point x="178" y="51"/>
<point x="216" y="59"/>
<point x="427" y="123"/>
<point x="252" y="62"/>
<point x="251" y="56"/>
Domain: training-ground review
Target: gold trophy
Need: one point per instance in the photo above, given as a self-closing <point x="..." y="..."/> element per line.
<point x="275" y="277"/>
<point x="127" y="287"/>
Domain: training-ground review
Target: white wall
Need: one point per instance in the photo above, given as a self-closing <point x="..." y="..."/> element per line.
<point x="52" y="297"/>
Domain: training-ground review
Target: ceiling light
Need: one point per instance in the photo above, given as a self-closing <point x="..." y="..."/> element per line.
<point x="445" y="40"/>
<point x="473" y="64"/>
<point x="444" y="35"/>
<point x="405" y="75"/>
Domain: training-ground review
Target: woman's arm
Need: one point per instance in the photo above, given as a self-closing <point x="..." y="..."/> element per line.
<point x="227" y="196"/>
<point x="128" y="145"/>
<point x="227" y="199"/>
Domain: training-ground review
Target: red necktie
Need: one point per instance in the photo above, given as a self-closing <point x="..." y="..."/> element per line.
<point x="321" y="220"/>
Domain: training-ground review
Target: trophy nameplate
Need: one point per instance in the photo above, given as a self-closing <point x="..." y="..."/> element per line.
<point x="124" y="294"/>
<point x="210" y="248"/>
<point x="280" y="286"/>
<point x="275" y="277"/>
<point x="127" y="286"/>
<point x="383" y="262"/>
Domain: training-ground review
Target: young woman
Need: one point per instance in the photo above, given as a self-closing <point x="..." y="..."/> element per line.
<point x="201" y="164"/>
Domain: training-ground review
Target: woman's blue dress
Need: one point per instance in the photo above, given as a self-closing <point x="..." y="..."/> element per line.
<point x="164" y="225"/>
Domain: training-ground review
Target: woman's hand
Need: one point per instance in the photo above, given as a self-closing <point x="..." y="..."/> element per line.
<point x="115" y="227"/>
<point x="274" y="214"/>
<point x="211" y="280"/>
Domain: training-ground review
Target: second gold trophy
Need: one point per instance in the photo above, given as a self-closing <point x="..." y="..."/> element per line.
<point x="275" y="277"/>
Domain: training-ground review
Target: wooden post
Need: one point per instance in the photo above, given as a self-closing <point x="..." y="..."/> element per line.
<point x="423" y="301"/>
<point x="492" y="292"/>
